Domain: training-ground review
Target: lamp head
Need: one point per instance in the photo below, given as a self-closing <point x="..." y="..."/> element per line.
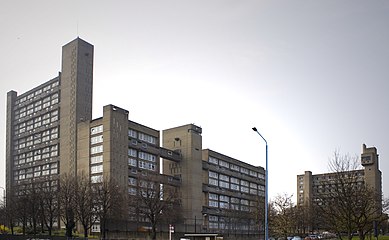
<point x="254" y="129"/>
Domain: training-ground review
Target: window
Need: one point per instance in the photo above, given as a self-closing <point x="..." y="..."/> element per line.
<point x="213" y="182"/>
<point x="96" y="149"/>
<point x="253" y="173"/>
<point x="234" y="206"/>
<point x="96" y="139"/>
<point x="54" y="150"/>
<point x="213" y="196"/>
<point x="132" y="191"/>
<point x="214" y="225"/>
<point x="46" y="104"/>
<point x="54" y="133"/>
<point x="146" y="165"/>
<point x="234" y="187"/>
<point x="132" y="133"/>
<point x="224" y="164"/>
<point x="224" y="184"/>
<point x="38" y="108"/>
<point x="224" y="205"/>
<point x="234" y="180"/>
<point x="213" y="160"/>
<point x="244" y="189"/>
<point x="132" y="152"/>
<point x="213" y="174"/>
<point x="96" y="159"/>
<point x="224" y="177"/>
<point x="47" y="88"/>
<point x="132" y="181"/>
<point x="244" y="202"/>
<point x="147" y="138"/>
<point x="244" y="208"/>
<point x="46" y="121"/>
<point x="212" y="203"/>
<point x="234" y="167"/>
<point x="55" y="84"/>
<point x="132" y="162"/>
<point x="97" y="129"/>
<point x="224" y="198"/>
<point x="96" y="178"/>
<point x="147" y="156"/>
<point x="97" y="169"/>
<point x="244" y="170"/>
<point x="244" y="183"/>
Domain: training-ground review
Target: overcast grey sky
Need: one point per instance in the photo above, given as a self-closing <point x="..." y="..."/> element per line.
<point x="312" y="76"/>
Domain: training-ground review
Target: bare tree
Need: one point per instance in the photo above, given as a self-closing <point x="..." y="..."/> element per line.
<point x="283" y="220"/>
<point x="11" y="212"/>
<point x="308" y="221"/>
<point x="258" y="214"/>
<point x="156" y="202"/>
<point x="347" y="204"/>
<point x="49" y="206"/>
<point x="367" y="211"/>
<point x="85" y="206"/>
<point x="240" y="221"/>
<point x="33" y="205"/>
<point x="21" y="209"/>
<point x="3" y="219"/>
<point x="109" y="201"/>
<point x="66" y="202"/>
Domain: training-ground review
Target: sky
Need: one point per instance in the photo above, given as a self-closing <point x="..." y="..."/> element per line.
<point x="311" y="76"/>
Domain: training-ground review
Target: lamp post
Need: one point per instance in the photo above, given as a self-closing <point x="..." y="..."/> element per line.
<point x="266" y="188"/>
<point x="3" y="196"/>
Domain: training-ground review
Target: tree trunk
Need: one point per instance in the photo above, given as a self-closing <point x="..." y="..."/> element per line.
<point x="154" y="232"/>
<point x="85" y="232"/>
<point x="362" y="235"/>
<point x="69" y="231"/>
<point x="102" y="230"/>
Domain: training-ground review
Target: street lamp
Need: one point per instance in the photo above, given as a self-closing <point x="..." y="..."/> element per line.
<point x="266" y="188"/>
<point x="3" y="195"/>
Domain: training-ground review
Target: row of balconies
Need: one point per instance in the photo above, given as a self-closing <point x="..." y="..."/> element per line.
<point x="226" y="171"/>
<point x="164" y="153"/>
<point x="228" y="192"/>
<point x="36" y="98"/>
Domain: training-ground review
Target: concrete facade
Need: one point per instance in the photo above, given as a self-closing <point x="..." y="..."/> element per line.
<point x="219" y="193"/>
<point x="76" y="98"/>
<point x="37" y="117"/>
<point x="50" y="132"/>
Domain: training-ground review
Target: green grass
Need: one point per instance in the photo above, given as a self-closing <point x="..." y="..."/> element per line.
<point x="380" y="237"/>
